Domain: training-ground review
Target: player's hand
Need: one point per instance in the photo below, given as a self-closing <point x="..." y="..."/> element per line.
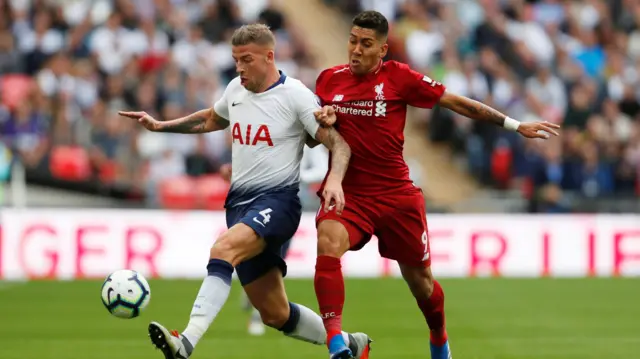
<point x="538" y="129"/>
<point x="225" y="171"/>
<point x="333" y="196"/>
<point x="143" y="118"/>
<point x="326" y="116"/>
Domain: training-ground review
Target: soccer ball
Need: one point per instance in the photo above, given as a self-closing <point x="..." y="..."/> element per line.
<point x="125" y="293"/>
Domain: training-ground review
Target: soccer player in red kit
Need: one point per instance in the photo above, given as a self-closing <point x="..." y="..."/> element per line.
<point x="370" y="98"/>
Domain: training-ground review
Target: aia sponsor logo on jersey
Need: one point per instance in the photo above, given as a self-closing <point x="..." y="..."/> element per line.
<point x="251" y="136"/>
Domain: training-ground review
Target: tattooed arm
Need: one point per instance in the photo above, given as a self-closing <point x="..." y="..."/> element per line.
<point x="199" y="122"/>
<point x="472" y="109"/>
<point x="479" y="111"/>
<point x="340" y="151"/>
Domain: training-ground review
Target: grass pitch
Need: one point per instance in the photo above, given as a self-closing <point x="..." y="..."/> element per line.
<point x="486" y="319"/>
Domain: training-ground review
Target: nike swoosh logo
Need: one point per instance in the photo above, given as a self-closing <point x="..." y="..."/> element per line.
<point x="258" y="222"/>
<point x="234" y="104"/>
<point x="109" y="291"/>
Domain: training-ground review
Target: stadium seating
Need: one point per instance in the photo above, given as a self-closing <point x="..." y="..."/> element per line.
<point x="533" y="60"/>
<point x="70" y="163"/>
<point x="178" y="193"/>
<point x="116" y="59"/>
<point x="212" y="191"/>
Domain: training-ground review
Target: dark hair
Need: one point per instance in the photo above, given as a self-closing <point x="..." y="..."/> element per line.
<point x="372" y="20"/>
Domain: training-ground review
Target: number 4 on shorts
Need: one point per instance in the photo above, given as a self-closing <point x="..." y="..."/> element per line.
<point x="265" y="215"/>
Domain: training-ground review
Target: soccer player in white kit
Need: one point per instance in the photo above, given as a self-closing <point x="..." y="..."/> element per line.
<point x="271" y="117"/>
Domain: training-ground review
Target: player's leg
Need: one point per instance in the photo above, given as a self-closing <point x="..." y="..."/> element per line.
<point x="403" y="237"/>
<point x="267" y="294"/>
<point x="256" y="325"/>
<point x="334" y="238"/>
<point x="239" y="243"/>
<point x="430" y="299"/>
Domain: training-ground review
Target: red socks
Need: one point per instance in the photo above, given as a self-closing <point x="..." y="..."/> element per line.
<point x="433" y="311"/>
<point x="329" y="285"/>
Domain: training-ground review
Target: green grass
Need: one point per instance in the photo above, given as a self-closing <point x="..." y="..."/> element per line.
<point x="487" y="318"/>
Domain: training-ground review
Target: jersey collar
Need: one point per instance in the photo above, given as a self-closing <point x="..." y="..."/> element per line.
<point x="373" y="73"/>
<point x="280" y="81"/>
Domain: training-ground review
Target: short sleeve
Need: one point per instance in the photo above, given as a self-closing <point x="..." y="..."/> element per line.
<point x="320" y="86"/>
<point x="417" y="89"/>
<point x="306" y="103"/>
<point x="221" y="107"/>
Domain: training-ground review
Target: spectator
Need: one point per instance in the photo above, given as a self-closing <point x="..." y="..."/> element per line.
<point x="91" y="59"/>
<point x="574" y="63"/>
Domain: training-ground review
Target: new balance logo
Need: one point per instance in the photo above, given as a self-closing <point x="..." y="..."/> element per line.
<point x="337" y="98"/>
<point x="381" y="109"/>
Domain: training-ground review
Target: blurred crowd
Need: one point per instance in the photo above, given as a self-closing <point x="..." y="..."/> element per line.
<point x="573" y="62"/>
<point x="68" y="66"/>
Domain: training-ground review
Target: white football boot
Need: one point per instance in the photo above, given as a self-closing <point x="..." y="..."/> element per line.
<point x="360" y="345"/>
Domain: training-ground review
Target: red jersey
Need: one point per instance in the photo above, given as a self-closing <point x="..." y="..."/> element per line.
<point x="371" y="112"/>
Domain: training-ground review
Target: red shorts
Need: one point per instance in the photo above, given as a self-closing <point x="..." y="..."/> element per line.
<point x="399" y="221"/>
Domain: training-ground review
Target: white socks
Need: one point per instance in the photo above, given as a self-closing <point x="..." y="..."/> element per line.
<point x="210" y="300"/>
<point x="303" y="323"/>
<point x="306" y="325"/>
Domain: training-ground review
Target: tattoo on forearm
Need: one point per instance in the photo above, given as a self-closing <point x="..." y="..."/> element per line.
<point x="479" y="111"/>
<point x="340" y="150"/>
<point x="189" y="124"/>
<point x="198" y="122"/>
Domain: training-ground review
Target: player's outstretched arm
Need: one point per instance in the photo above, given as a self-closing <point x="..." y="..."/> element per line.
<point x="479" y="111"/>
<point x="198" y="122"/>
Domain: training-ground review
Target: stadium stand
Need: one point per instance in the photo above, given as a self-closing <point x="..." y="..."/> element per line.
<point x="67" y="67"/>
<point x="66" y="70"/>
<point x="574" y="63"/>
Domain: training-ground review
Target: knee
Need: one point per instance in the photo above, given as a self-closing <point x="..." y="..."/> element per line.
<point x="420" y="281"/>
<point x="332" y="243"/>
<point x="224" y="249"/>
<point x="274" y="317"/>
<point x="237" y="244"/>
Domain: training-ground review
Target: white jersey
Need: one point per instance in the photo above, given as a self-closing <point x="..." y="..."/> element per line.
<point x="268" y="131"/>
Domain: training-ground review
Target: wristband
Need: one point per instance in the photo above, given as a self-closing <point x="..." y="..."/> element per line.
<point x="511" y="124"/>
